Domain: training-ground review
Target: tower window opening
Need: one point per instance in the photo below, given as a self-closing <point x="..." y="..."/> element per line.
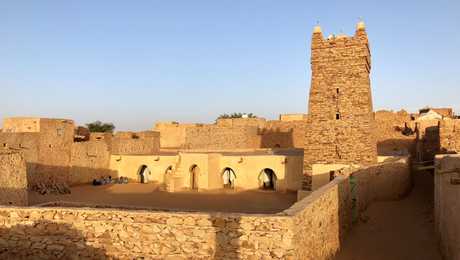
<point x="337" y="116"/>
<point x="337" y="90"/>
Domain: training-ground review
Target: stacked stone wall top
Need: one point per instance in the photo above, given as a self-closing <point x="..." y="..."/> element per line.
<point x="449" y="135"/>
<point x="13" y="178"/>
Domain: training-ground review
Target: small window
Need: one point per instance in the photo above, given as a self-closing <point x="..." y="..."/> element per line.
<point x="60" y="131"/>
<point x="337" y="116"/>
<point x="337" y="90"/>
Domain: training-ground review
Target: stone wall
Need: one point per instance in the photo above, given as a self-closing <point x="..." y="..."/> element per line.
<point x="90" y="160"/>
<point x="21" y="125"/>
<point x="27" y="143"/>
<point x="13" y="178"/>
<point x="271" y="134"/>
<point x="54" y="150"/>
<point x="293" y="117"/>
<point x="313" y="228"/>
<point x="213" y="137"/>
<point x="241" y="122"/>
<point x="389" y="133"/>
<point x="140" y="143"/>
<point x="47" y="152"/>
<point x="73" y="233"/>
<point x="389" y="180"/>
<point x="322" y="220"/>
<point x="447" y="205"/>
<point x="172" y="134"/>
<point x="340" y="113"/>
<point x="283" y="134"/>
<point x="449" y="135"/>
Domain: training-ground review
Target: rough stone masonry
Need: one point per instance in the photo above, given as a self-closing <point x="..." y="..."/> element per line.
<point x="340" y="120"/>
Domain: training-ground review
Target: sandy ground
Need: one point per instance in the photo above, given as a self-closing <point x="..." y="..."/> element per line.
<point x="149" y="195"/>
<point x="396" y="230"/>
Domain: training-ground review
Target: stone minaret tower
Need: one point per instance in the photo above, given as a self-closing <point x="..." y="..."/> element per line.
<point x="340" y="113"/>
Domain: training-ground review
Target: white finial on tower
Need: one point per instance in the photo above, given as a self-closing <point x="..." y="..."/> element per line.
<point x="317" y="28"/>
<point x="360" y="25"/>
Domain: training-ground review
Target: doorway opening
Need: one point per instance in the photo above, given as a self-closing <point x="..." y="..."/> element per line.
<point x="194" y="177"/>
<point x="144" y="174"/>
<point x="267" y="179"/>
<point x="228" y="177"/>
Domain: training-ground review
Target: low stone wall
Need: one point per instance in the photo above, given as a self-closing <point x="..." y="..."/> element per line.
<point x="72" y="233"/>
<point x="321" y="221"/>
<point x="313" y="228"/>
<point x="447" y="205"/>
<point x="13" y="179"/>
<point x="388" y="180"/>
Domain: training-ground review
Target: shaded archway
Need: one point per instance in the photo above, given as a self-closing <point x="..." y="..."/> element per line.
<point x="167" y="174"/>
<point x="228" y="177"/>
<point x="267" y="179"/>
<point x="144" y="174"/>
<point x="194" y="176"/>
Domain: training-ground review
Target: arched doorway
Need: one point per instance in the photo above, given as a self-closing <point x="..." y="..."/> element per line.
<point x="194" y="176"/>
<point x="228" y="177"/>
<point x="144" y="174"/>
<point x="267" y="179"/>
<point x="168" y="173"/>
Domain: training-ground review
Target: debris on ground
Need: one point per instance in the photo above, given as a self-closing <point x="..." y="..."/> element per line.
<point x="51" y="188"/>
<point x="109" y="180"/>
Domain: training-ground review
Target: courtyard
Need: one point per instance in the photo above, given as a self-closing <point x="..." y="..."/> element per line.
<point x="150" y="195"/>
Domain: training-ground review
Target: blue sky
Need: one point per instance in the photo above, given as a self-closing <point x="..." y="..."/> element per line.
<point x="135" y="62"/>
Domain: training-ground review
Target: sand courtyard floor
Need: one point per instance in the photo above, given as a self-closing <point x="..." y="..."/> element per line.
<point x="151" y="196"/>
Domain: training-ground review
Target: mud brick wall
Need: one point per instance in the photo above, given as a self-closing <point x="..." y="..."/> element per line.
<point x="341" y="120"/>
<point x="13" y="178"/>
